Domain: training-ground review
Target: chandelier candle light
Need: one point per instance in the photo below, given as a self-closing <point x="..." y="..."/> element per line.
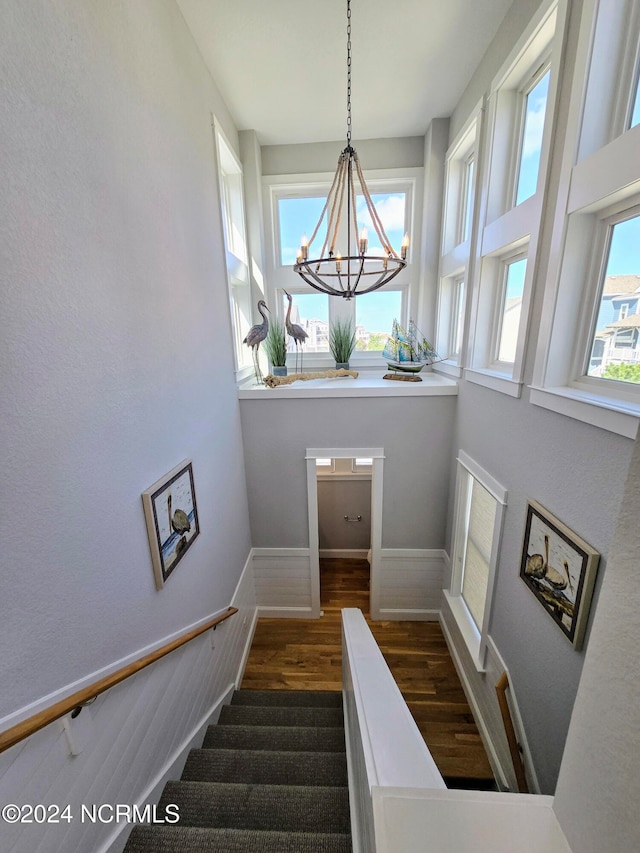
<point x="356" y="272"/>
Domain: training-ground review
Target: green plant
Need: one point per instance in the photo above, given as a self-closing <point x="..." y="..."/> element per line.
<point x="342" y="340"/>
<point x="623" y="372"/>
<point x="276" y="344"/>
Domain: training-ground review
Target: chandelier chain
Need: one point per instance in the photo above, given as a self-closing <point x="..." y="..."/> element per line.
<point x="348" y="72"/>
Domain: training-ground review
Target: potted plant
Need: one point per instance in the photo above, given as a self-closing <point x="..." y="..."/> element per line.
<point x="342" y="342"/>
<point x="276" y="346"/>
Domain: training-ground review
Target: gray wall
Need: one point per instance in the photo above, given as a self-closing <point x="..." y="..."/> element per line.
<point x="416" y="437"/>
<point x="406" y="152"/>
<point x="337" y="498"/>
<point x="115" y="344"/>
<point x="575" y="470"/>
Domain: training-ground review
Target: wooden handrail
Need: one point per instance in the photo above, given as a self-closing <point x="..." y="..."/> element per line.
<point x="514" y="746"/>
<point x="38" y="721"/>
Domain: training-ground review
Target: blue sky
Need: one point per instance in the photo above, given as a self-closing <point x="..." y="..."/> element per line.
<point x="624" y="255"/>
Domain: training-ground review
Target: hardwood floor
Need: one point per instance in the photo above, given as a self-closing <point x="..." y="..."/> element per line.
<point x="306" y="654"/>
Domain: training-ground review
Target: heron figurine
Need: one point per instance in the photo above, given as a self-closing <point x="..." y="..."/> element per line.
<point x="255" y="336"/>
<point x="295" y="331"/>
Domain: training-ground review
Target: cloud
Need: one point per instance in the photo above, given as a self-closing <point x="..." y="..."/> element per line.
<point x="391" y="210"/>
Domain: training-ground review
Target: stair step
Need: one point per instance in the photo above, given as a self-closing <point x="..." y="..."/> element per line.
<point x="293" y="808"/>
<point x="288" y="698"/>
<point x="191" y="839"/>
<point x="277" y="738"/>
<point x="253" y="715"/>
<point x="260" y="767"/>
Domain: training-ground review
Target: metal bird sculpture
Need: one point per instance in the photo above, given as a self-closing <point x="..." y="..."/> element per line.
<point x="295" y="331"/>
<point x="255" y="336"/>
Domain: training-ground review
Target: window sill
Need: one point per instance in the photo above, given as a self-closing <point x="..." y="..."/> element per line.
<point x="449" y="368"/>
<point x="496" y="381"/>
<point x="604" y="412"/>
<point x="467" y="628"/>
<point x="368" y="384"/>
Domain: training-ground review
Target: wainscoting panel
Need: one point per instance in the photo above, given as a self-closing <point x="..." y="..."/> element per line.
<point x="481" y="695"/>
<point x="282" y="579"/>
<point x="410" y="583"/>
<point x="139" y="734"/>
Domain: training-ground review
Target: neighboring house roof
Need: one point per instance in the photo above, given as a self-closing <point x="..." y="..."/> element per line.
<point x="630" y="322"/>
<point x="623" y="285"/>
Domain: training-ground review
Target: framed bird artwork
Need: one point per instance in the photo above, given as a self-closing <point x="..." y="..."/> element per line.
<point x="172" y="519"/>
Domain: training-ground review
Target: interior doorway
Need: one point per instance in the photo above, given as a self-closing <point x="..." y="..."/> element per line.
<point x="359" y="472"/>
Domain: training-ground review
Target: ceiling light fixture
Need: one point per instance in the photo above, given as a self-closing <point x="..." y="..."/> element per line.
<point x="359" y="271"/>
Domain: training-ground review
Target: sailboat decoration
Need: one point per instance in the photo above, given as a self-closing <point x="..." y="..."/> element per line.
<point x="408" y="351"/>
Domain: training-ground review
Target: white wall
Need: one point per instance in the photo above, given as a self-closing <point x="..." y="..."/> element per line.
<point x="599" y="785"/>
<point x="115" y="344"/>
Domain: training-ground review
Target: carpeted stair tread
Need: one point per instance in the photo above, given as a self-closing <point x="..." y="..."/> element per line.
<point x="287" y="738"/>
<point x="259" y="767"/>
<point x="291" y="808"/>
<point x="192" y="839"/>
<point x="254" y="715"/>
<point x="288" y="698"/>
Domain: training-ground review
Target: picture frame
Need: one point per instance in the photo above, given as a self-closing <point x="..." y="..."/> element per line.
<point x="560" y="569"/>
<point x="171" y="515"/>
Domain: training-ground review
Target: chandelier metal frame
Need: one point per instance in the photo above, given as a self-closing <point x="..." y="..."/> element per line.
<point x="357" y="272"/>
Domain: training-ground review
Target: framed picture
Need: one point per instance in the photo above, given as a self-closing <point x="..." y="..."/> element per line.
<point x="560" y="570"/>
<point x="172" y="519"/>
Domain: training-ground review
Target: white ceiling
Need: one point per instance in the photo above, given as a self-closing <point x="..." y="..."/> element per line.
<point x="281" y="64"/>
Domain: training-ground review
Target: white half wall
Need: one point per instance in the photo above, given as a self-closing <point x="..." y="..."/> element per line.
<point x="410" y="584"/>
<point x="138" y="736"/>
<point x="282" y="578"/>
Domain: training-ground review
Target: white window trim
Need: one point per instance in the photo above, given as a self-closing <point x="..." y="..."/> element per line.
<point x="237" y="268"/>
<point x="279" y="276"/>
<point x="504" y="229"/>
<point x="604" y="180"/>
<point x="475" y="639"/>
<point x="455" y="251"/>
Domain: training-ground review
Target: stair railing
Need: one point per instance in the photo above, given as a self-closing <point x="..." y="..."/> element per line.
<point x="384" y="746"/>
<point x="75" y="702"/>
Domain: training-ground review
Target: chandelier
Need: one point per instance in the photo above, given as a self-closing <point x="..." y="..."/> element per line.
<point x="359" y="271"/>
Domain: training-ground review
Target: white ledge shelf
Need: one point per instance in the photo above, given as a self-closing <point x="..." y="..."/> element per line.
<point x="368" y="384"/>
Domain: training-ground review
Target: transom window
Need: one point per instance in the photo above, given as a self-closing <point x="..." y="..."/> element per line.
<point x="535" y="108"/>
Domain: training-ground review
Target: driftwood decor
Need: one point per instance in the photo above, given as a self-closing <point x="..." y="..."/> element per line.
<point x="274" y="381"/>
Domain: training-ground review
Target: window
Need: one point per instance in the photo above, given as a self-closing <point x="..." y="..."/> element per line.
<point x="238" y="280"/>
<point x="614" y="355"/>
<point x="311" y="312"/>
<point x="587" y="361"/>
<point x="375" y="313"/>
<point x="512" y="175"/>
<point x="457" y="230"/>
<point x="297" y="217"/>
<point x="510" y="309"/>
<point x="479" y="507"/>
<point x="535" y="107"/>
<point x="293" y="206"/>
<point x="635" y="110"/>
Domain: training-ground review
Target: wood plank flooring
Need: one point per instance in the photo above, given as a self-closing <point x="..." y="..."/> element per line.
<point x="306" y="654"/>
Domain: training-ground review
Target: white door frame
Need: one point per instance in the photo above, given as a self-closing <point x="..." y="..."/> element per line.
<point x="377" y="455"/>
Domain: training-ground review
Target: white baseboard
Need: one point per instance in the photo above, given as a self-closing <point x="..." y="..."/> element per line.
<point x="485" y="734"/>
<point x="344" y="553"/>
<point x="285" y="613"/>
<point x="172" y="770"/>
<point x="417" y="615"/>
